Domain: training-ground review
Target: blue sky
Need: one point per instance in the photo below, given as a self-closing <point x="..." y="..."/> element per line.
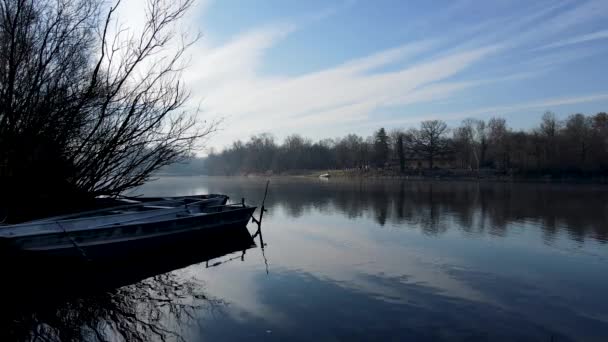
<point x="324" y="69"/>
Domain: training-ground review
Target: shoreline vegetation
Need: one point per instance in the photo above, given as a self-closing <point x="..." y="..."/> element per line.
<point x="426" y="175"/>
<point x="439" y="175"/>
<point x="571" y="150"/>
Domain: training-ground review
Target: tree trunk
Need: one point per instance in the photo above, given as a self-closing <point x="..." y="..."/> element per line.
<point x="401" y="156"/>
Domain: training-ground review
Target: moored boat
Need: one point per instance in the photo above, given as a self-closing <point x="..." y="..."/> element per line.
<point x="121" y="232"/>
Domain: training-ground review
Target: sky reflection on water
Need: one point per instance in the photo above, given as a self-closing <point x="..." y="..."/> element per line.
<point x="415" y="261"/>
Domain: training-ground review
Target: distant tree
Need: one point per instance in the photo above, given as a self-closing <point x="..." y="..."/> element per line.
<point x="401" y="153"/>
<point x="393" y="136"/>
<point x="430" y="141"/>
<point x="481" y="136"/>
<point x="577" y="133"/>
<point x="600" y="122"/>
<point x="498" y="142"/>
<point x="549" y="125"/>
<point x="295" y="153"/>
<point x="599" y="143"/>
<point x="520" y="145"/>
<point x="381" y="147"/>
<point x="262" y="151"/>
<point x="581" y="142"/>
<point x="549" y="131"/>
<point x="350" y="151"/>
<point x="465" y="146"/>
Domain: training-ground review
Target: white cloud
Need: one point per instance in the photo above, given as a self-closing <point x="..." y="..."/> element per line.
<point x="345" y="93"/>
<point x="226" y="77"/>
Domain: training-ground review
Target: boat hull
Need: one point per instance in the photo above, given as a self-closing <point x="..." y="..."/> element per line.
<point x="46" y="279"/>
<point x="123" y="241"/>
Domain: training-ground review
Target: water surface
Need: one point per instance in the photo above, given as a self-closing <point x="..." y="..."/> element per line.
<point x="389" y="260"/>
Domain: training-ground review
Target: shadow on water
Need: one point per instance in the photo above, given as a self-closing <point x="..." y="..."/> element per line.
<point x="134" y="300"/>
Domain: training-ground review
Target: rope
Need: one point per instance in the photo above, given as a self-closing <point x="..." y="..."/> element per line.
<point x="78" y="248"/>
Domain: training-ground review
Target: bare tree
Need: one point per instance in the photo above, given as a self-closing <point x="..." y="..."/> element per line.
<point x="430" y="141"/>
<point x="465" y="145"/>
<point x="471" y="142"/>
<point x="549" y="125"/>
<point x="481" y="136"/>
<point x="498" y="142"/>
<point x="577" y="133"/>
<point x="581" y="145"/>
<point x="87" y="111"/>
<point x="548" y="133"/>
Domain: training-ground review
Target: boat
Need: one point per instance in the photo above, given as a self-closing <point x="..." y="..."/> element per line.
<point x="324" y="175"/>
<point x="121" y="231"/>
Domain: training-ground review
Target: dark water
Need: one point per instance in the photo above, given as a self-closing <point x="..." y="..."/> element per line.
<point x="369" y="260"/>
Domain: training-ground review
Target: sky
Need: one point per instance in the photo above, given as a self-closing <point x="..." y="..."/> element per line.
<point x="324" y="69"/>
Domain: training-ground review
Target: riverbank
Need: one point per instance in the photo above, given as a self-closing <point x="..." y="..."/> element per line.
<point x="440" y="174"/>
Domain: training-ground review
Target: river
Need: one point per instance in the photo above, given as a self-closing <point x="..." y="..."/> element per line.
<point x="379" y="260"/>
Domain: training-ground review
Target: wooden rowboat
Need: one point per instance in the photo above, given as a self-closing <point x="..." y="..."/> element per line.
<point x="120" y="232"/>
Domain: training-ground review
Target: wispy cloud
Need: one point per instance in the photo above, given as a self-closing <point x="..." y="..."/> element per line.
<point x="501" y="110"/>
<point x="578" y="39"/>
<point x="345" y="93"/>
<point x="580" y="12"/>
<point x="227" y="77"/>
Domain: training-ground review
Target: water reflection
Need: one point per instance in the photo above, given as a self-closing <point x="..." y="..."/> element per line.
<point x="313" y="308"/>
<point x="415" y="261"/>
<point x="158" y="308"/>
<point x="434" y="207"/>
<point x="136" y="300"/>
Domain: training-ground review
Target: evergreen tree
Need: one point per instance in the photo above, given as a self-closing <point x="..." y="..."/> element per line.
<point x="381" y="147"/>
<point x="401" y="154"/>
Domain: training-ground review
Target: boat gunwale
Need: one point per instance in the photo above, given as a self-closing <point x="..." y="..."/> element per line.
<point x="140" y="237"/>
<point x="60" y="230"/>
<point x="122" y="207"/>
<point x="66" y="218"/>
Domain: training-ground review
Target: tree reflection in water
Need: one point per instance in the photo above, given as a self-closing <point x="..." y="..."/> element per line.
<point x="158" y="308"/>
<point x="141" y="300"/>
<point x="434" y="207"/>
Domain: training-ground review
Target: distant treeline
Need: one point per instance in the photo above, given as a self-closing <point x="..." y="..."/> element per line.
<point x="576" y="146"/>
<point x="192" y="166"/>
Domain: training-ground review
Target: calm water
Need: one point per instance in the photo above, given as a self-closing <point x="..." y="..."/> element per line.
<point x="373" y="260"/>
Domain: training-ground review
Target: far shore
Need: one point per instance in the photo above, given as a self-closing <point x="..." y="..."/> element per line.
<point x="414" y="175"/>
<point x="461" y="175"/>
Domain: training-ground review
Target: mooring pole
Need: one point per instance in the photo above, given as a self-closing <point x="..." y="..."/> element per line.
<point x="263" y="201"/>
<point x="259" y="223"/>
<point x="262" y="210"/>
